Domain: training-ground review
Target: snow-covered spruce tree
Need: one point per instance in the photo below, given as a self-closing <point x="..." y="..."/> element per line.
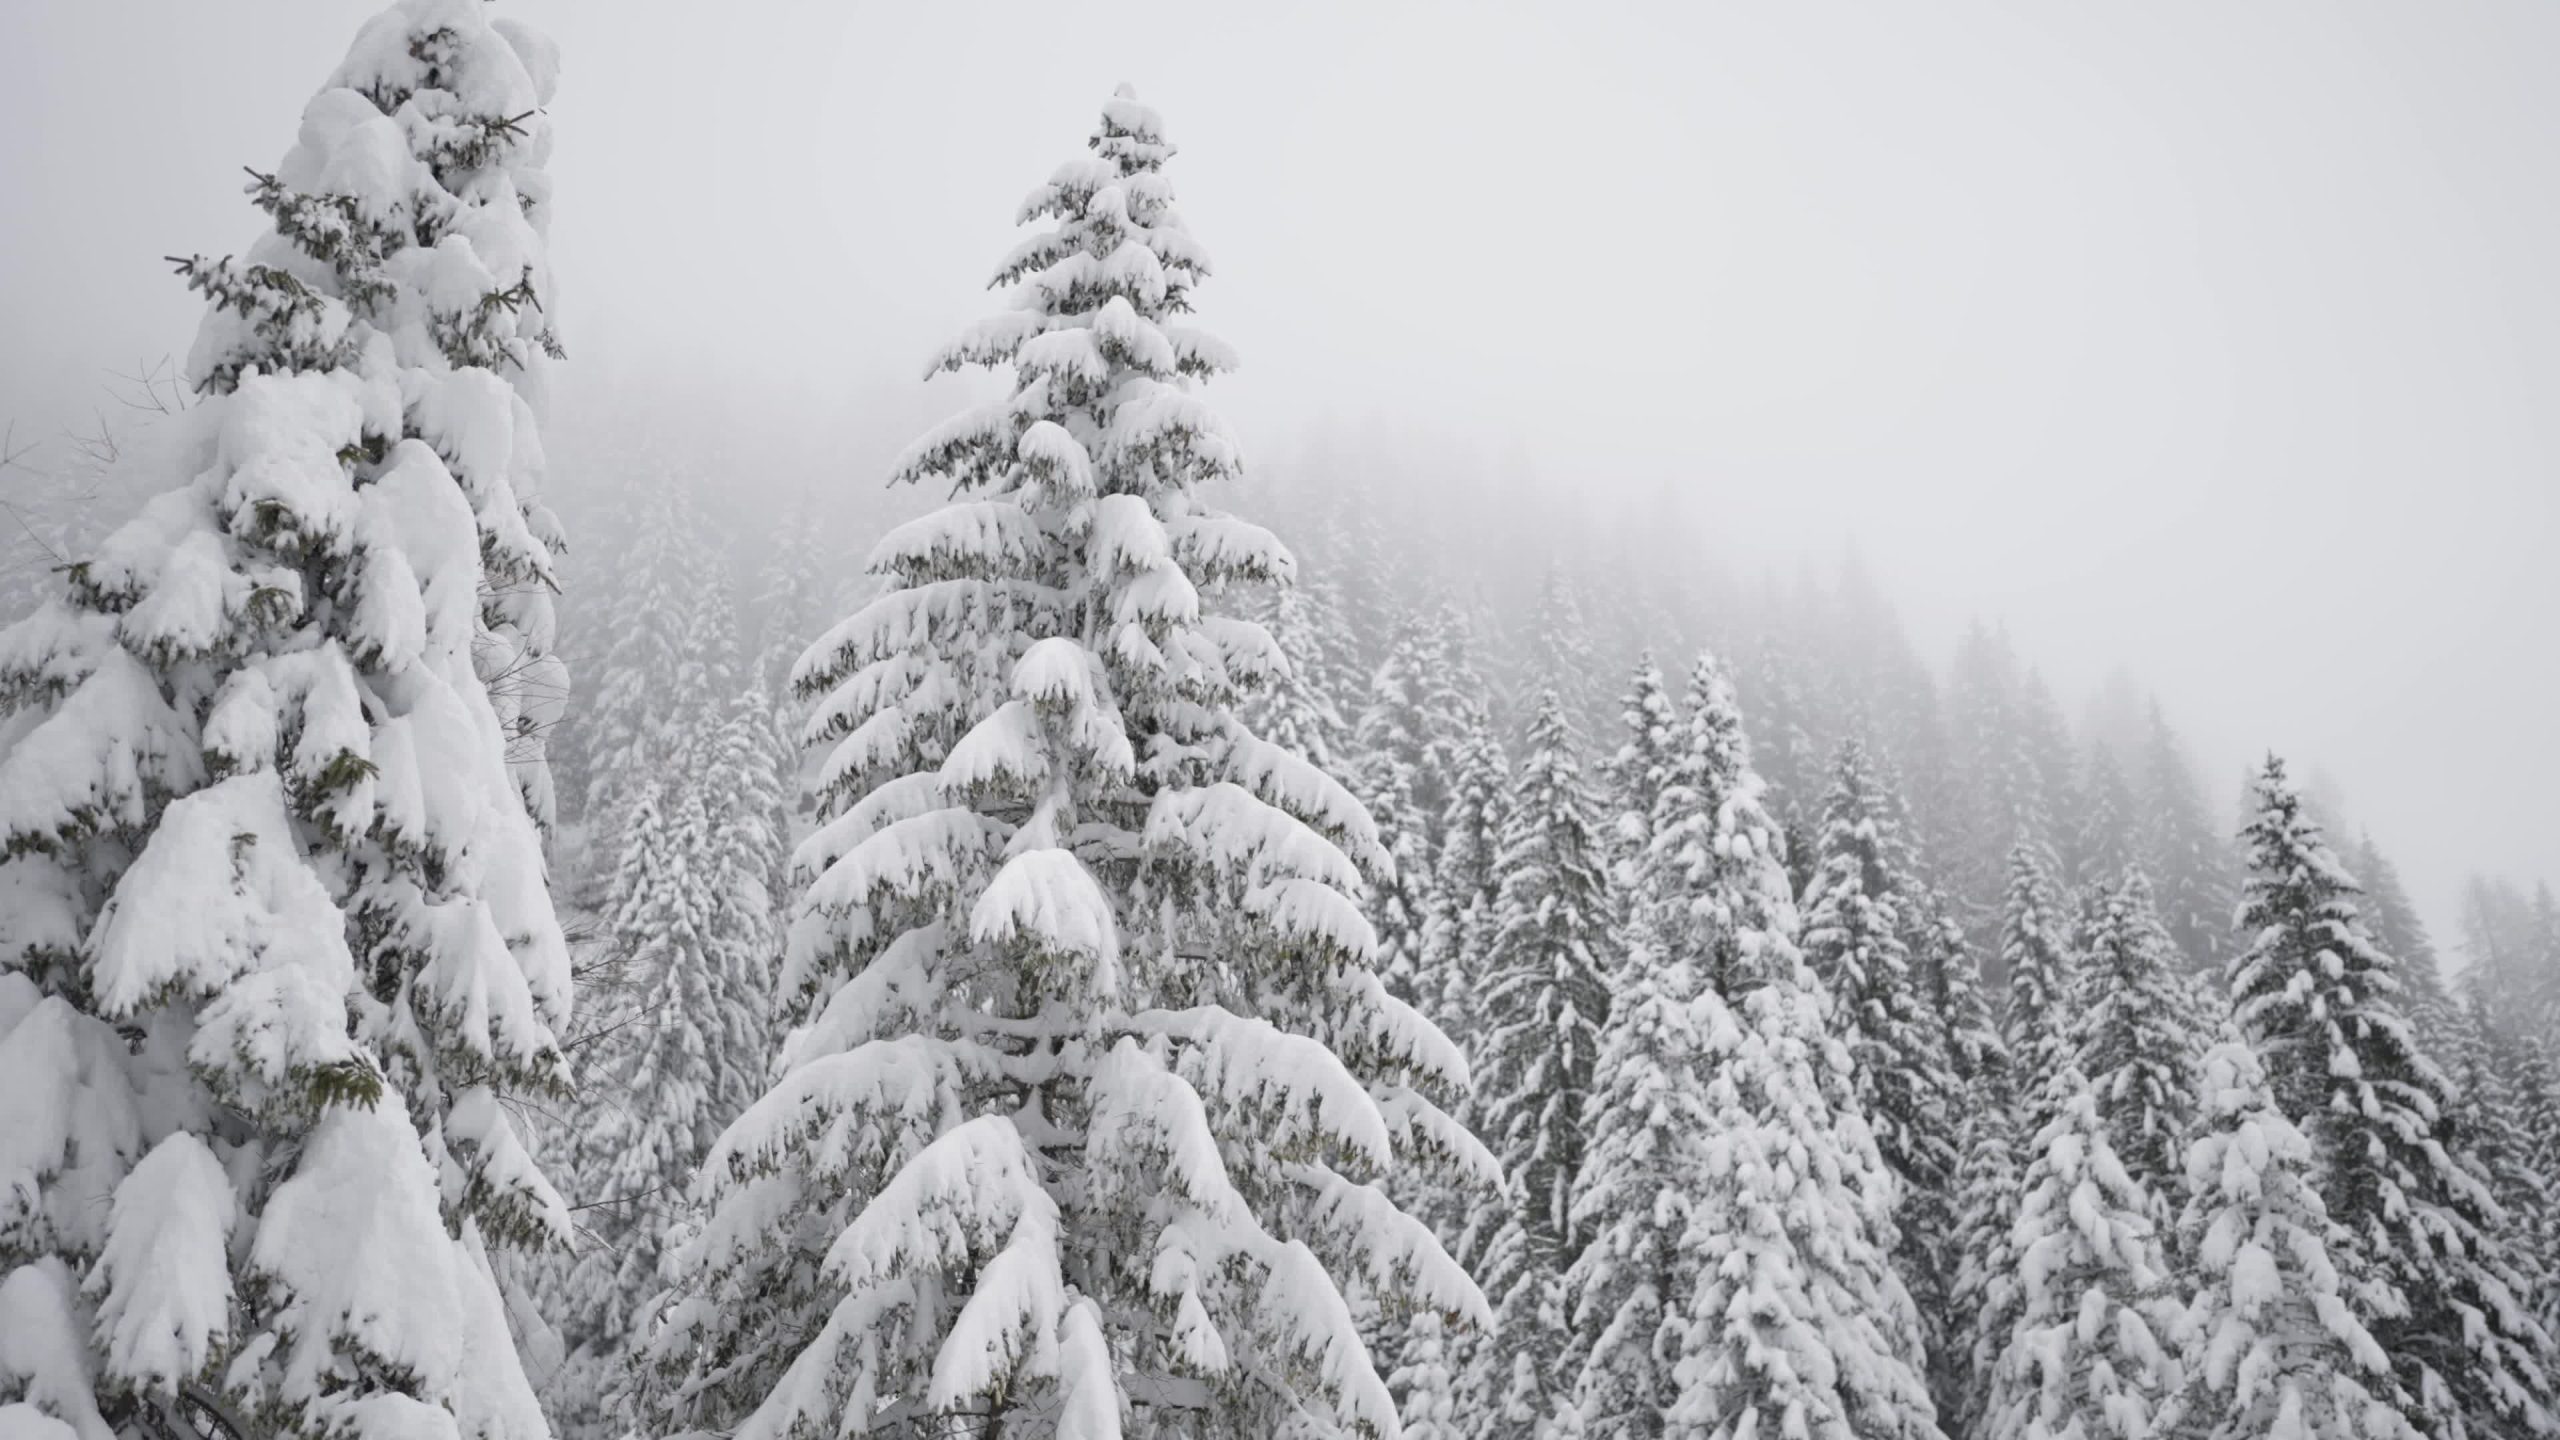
<point x="1426" y="1383"/>
<point x="2006" y="1114"/>
<point x="2537" y="1090"/>
<point x="2274" y="1348"/>
<point x="1977" y="1063"/>
<point x="1082" y="1133"/>
<point x="1458" y="930"/>
<point x="2500" y="1106"/>
<point x="275" y="943"/>
<point x="1853" y="937"/>
<point x="1544" y="1005"/>
<point x="1453" y="692"/>
<point x="2035" y="953"/>
<point x="1634" y="777"/>
<point x="1712" y="878"/>
<point x="679" y="1032"/>
<point x="2319" y="1002"/>
<point x="1397" y="780"/>
<point x="1984" y="1297"/>
<point x="2400" y="932"/>
<point x="746" y="764"/>
<point x="2095" y="1351"/>
<point x="628" y="727"/>
<point x="1797" y="1324"/>
<point x="1706" y="896"/>
<point x="1466" y="893"/>
<point x="1952" y="985"/>
<point x="1303" y="715"/>
<point x="676" y="1063"/>
<point x="2134" y="1045"/>
<point x="1627" y="1291"/>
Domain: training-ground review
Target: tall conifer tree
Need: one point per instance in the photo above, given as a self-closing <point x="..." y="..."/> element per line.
<point x="2320" y="1003"/>
<point x="1544" y="1008"/>
<point x="1083" y="1128"/>
<point x="276" y="947"/>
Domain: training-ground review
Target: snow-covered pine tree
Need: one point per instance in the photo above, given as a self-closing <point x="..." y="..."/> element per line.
<point x="2274" y="1348"/>
<point x="1466" y="893"/>
<point x="1853" y="937"/>
<point x="1544" y="1005"/>
<point x="1977" y="1062"/>
<point x="2036" y="955"/>
<point x="275" y="941"/>
<point x="1457" y="943"/>
<point x="1081" y="1135"/>
<point x="2133" y="1043"/>
<point x="2186" y="854"/>
<point x="1453" y="692"/>
<point x="1395" y="777"/>
<point x="2537" y="1089"/>
<point x="1707" y="907"/>
<point x="679" y="1061"/>
<point x="1984" y="1295"/>
<point x="2000" y="1133"/>
<point x="1304" y="715"/>
<point x="746" y="760"/>
<point x="629" y="729"/>
<point x="1426" y="1384"/>
<point x="2095" y="1351"/>
<point x="1399" y="881"/>
<point x="1627" y="1292"/>
<point x="2498" y="1108"/>
<point x="1951" y="981"/>
<point x="2402" y="934"/>
<point x="2319" y="1002"/>
<point x="1798" y="1324"/>
<point x="1712" y="879"/>
<point x="1633" y="777"/>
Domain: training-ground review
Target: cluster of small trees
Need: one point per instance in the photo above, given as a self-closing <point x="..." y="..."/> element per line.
<point x="1774" y="1159"/>
<point x="1198" y="991"/>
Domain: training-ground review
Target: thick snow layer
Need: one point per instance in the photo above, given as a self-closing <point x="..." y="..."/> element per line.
<point x="163" y="1283"/>
<point x="222" y="890"/>
<point x="96" y="760"/>
<point x="41" y="1355"/>
<point x="69" y="1121"/>
<point x="1289" y="1090"/>
<point x="1046" y="903"/>
<point x="872" y="1106"/>
<point x="356" y="1249"/>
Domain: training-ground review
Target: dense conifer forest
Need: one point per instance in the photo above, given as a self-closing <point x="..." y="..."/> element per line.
<point x="506" y="931"/>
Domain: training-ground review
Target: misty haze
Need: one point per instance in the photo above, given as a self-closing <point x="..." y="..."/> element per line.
<point x="1815" y="722"/>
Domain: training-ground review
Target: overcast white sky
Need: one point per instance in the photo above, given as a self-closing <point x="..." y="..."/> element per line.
<point x="2216" y="341"/>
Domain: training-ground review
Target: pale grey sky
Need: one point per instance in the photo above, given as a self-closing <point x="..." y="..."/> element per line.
<point x="2216" y="341"/>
